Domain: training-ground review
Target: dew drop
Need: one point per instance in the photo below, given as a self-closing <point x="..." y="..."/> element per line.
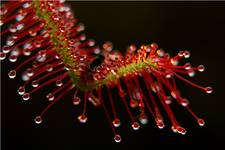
<point x="37" y="44"/>
<point x="135" y="126"/>
<point x="61" y="8"/>
<point x="187" y="66"/>
<point x="97" y="50"/>
<point x="82" y="37"/>
<point x="117" y="138"/>
<point x="168" y="75"/>
<point x="12" y="74"/>
<point x="38" y="120"/>
<point x="29" y="72"/>
<point x="184" y="102"/>
<point x="13" y="58"/>
<point x="58" y="83"/>
<point x="174" y="129"/>
<point x="180" y="53"/>
<point x="12" y="29"/>
<point x="76" y="100"/>
<point x="160" y="52"/>
<point x="201" y="68"/>
<point x="26" y="5"/>
<point x="19" y="26"/>
<point x="160" y="124"/>
<point x="181" y="130"/>
<point x="32" y="33"/>
<point x="168" y="100"/>
<point x="191" y="73"/>
<point x="201" y="122"/>
<point x="26" y="52"/>
<point x="26" y="96"/>
<point x="27" y="46"/>
<point x="2" y="56"/>
<point x="41" y="58"/>
<point x="25" y="77"/>
<point x="91" y="43"/>
<point x="1" y="23"/>
<point x="6" y="49"/>
<point x="62" y="29"/>
<point x="116" y="122"/>
<point x="174" y="62"/>
<point x="35" y="83"/>
<point x="57" y="56"/>
<point x="50" y="97"/>
<point x="21" y="90"/>
<point x="49" y="68"/>
<point x="19" y="17"/>
<point x="15" y="52"/>
<point x="209" y="89"/>
<point x="143" y="119"/>
<point x="82" y="118"/>
<point x="186" y="54"/>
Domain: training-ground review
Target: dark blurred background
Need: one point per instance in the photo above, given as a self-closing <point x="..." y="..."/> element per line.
<point x="196" y="26"/>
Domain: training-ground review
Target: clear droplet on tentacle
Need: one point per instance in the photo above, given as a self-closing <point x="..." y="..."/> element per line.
<point x="201" y="68"/>
<point x="184" y="102"/>
<point x="209" y="89"/>
<point x="25" y="76"/>
<point x="19" y="26"/>
<point x="26" y="96"/>
<point x="13" y="58"/>
<point x="35" y="83"/>
<point x="135" y="126"/>
<point x="50" y="97"/>
<point x="76" y="100"/>
<point x="12" y="29"/>
<point x="5" y="49"/>
<point x="201" y="122"/>
<point x="186" y="54"/>
<point x="181" y="130"/>
<point x="49" y="68"/>
<point x="26" y="52"/>
<point x="116" y="122"/>
<point x="82" y="118"/>
<point x="143" y="119"/>
<point x="160" y="124"/>
<point x="12" y="74"/>
<point x="59" y="82"/>
<point x="38" y="120"/>
<point x="21" y="90"/>
<point x="1" y="23"/>
<point x="117" y="138"/>
<point x="2" y="56"/>
<point x="29" y="72"/>
<point x="168" y="100"/>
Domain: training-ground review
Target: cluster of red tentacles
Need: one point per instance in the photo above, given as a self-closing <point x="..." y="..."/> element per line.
<point x="59" y="53"/>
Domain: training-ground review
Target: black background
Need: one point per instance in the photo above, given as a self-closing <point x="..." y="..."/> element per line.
<point x="196" y="26"/>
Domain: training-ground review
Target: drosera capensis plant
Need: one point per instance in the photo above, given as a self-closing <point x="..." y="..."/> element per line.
<point x="48" y="34"/>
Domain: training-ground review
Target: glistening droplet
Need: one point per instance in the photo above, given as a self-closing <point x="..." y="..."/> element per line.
<point x="38" y="120"/>
<point x="12" y="74"/>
